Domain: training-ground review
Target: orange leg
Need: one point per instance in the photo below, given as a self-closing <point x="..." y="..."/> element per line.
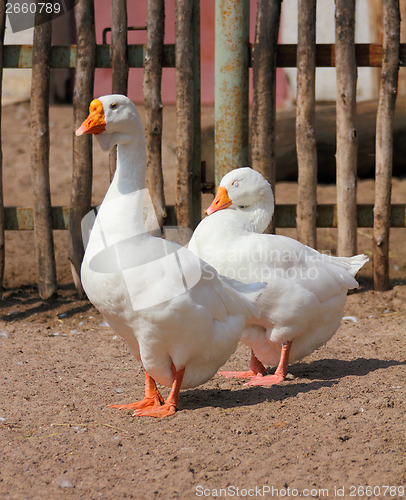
<point x="169" y="407"/>
<point x="280" y="372"/>
<point x="257" y="369"/>
<point x="152" y="398"/>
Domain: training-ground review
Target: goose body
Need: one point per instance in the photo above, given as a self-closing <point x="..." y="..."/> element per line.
<point x="302" y="304"/>
<point x="179" y="317"/>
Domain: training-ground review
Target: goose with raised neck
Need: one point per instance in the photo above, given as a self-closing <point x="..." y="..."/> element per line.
<point x="183" y="339"/>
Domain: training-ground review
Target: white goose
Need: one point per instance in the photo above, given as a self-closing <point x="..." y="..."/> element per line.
<point x="302" y="305"/>
<point x="178" y="316"/>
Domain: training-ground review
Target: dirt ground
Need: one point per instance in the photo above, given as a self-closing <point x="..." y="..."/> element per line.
<point x="335" y="428"/>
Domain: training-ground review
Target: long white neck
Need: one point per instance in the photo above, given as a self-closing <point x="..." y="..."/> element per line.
<point x="123" y="203"/>
<point x="131" y="168"/>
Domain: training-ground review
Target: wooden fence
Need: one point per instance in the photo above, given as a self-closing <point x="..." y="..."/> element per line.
<point x="264" y="55"/>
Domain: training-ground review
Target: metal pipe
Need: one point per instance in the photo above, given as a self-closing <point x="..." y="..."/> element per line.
<point x="231" y="85"/>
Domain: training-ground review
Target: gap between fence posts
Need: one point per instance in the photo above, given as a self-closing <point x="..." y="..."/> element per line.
<point x="2" y="215"/>
<point x="44" y="244"/>
<point x="384" y="143"/>
<point x="119" y="60"/>
<point x="347" y="140"/>
<point x="82" y="167"/>
<point x="153" y="104"/>
<point x="305" y="120"/>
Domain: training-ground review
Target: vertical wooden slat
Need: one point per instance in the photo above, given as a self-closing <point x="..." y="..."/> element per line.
<point x="196" y="164"/>
<point x="305" y="133"/>
<point x="184" y="112"/>
<point x="347" y="141"/>
<point x="153" y="104"/>
<point x="376" y="34"/>
<point x="384" y="143"/>
<point x="402" y="70"/>
<point x="119" y="56"/>
<point x="82" y="170"/>
<point x="44" y="245"/>
<point x="2" y="218"/>
<point x="264" y="90"/>
<point x="119" y="59"/>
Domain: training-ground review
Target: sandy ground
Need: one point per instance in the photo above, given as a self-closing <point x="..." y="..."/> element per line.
<point x="334" y="429"/>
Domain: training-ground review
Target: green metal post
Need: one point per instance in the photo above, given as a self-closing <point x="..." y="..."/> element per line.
<point x="231" y="86"/>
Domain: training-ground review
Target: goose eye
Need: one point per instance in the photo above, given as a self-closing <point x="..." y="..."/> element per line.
<point x="235" y="184"/>
<point x="113" y="105"/>
<point x="242" y="206"/>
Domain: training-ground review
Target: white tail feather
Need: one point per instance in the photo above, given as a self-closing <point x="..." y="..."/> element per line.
<point x="353" y="264"/>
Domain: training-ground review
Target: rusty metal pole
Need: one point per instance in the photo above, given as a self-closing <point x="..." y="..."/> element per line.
<point x="231" y="86"/>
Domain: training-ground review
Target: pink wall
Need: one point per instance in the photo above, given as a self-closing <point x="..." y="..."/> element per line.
<point x="137" y="14"/>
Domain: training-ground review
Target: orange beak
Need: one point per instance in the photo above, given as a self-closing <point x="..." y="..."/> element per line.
<point x="222" y="200"/>
<point x="95" y="123"/>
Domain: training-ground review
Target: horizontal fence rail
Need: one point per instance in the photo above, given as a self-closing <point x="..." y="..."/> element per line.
<point x="64" y="56"/>
<point x="21" y="218"/>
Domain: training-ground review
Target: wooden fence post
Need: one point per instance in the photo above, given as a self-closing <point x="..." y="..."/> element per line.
<point x="119" y="60"/>
<point x="153" y="104"/>
<point x="44" y="244"/>
<point x="197" y="123"/>
<point x="2" y="219"/>
<point x="376" y="34"/>
<point x="305" y="133"/>
<point x="402" y="70"/>
<point x="347" y="141"/>
<point x="184" y="111"/>
<point x="82" y="169"/>
<point x="384" y="143"/>
<point x="264" y="91"/>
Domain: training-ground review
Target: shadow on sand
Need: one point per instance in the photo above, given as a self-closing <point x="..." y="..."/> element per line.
<point x="322" y="373"/>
